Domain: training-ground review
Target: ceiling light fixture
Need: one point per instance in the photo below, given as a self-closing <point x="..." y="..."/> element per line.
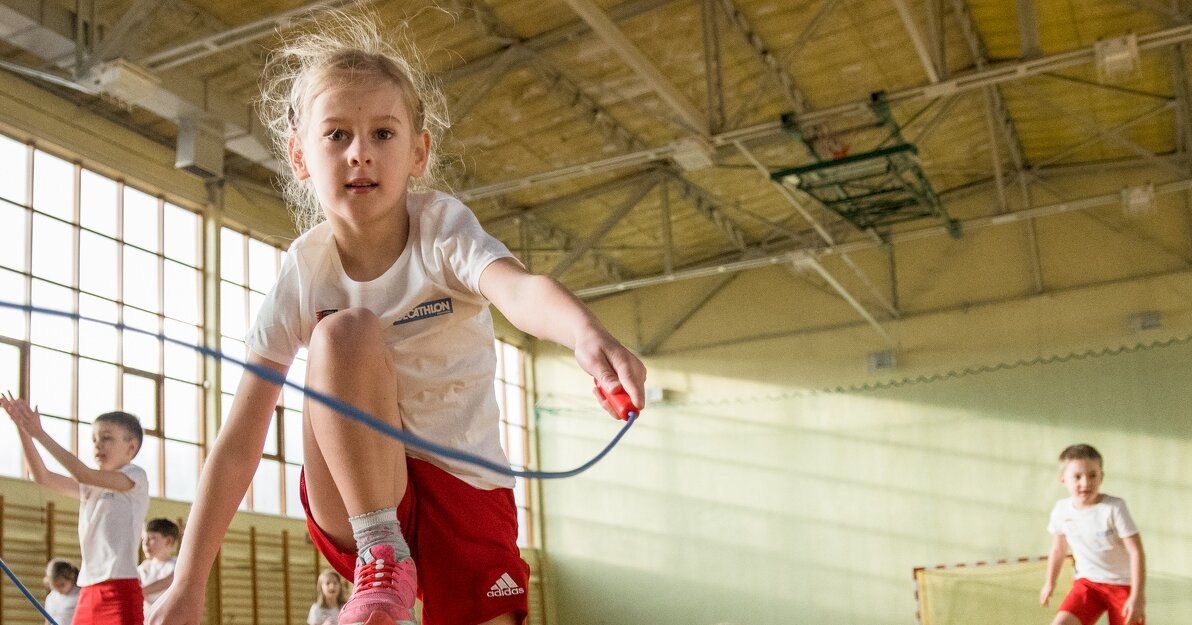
<point x="1116" y="58"/>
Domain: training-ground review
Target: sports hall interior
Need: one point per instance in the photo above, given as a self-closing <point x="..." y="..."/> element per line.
<point x="883" y="259"/>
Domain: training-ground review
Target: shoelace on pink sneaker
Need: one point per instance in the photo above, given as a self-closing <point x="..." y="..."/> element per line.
<point x="375" y="574"/>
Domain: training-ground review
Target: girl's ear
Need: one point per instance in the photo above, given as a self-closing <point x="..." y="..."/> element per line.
<point x="297" y="162"/>
<point x="421" y="154"/>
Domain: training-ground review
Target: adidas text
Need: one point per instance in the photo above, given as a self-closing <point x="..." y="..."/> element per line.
<point x="506" y="592"/>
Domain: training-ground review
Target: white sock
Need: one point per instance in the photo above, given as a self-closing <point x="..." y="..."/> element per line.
<point x="379" y="527"/>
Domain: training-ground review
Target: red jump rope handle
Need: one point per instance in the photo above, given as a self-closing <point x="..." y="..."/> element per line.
<point x="620" y="402"/>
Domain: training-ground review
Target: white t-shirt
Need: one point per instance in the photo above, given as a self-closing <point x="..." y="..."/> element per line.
<point x="62" y="607"/>
<point x="110" y="528"/>
<point x="151" y="570"/>
<point x="319" y="615"/>
<point x="436" y="322"/>
<point x="1095" y="536"/>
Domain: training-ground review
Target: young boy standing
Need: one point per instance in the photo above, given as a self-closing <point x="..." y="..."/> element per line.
<point x="114" y="499"/>
<point x="157" y="569"/>
<point x="1110" y="571"/>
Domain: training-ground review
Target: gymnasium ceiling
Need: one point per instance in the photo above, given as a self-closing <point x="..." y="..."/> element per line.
<point x="579" y="127"/>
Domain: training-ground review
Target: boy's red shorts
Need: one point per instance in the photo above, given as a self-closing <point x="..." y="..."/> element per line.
<point x="112" y="602"/>
<point x="1088" y="600"/>
<point x="464" y="541"/>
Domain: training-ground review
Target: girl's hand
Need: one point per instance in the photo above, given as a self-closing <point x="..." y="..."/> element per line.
<point x="613" y="366"/>
<point x="27" y="419"/>
<point x="1045" y="594"/>
<point x="178" y="606"/>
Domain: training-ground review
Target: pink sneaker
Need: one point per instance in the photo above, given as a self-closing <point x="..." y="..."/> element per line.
<point x="385" y="590"/>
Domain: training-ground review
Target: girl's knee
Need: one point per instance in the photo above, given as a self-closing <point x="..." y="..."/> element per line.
<point x="347" y="327"/>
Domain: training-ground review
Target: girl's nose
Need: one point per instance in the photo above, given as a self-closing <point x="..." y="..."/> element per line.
<point x="359" y="154"/>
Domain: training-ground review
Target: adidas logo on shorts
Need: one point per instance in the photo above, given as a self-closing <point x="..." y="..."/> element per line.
<point x="505" y="587"/>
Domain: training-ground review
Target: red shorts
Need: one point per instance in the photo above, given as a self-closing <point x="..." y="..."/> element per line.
<point x="464" y="541"/>
<point x="1088" y="600"/>
<point x="113" y="602"/>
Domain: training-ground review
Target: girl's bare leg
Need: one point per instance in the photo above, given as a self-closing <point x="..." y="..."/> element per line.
<point x="350" y="468"/>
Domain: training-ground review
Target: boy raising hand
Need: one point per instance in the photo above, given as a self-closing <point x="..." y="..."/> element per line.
<point x="114" y="499"/>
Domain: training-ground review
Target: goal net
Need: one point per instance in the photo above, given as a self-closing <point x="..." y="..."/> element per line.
<point x="1000" y="592"/>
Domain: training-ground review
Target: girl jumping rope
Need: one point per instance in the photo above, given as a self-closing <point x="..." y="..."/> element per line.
<point x="389" y="294"/>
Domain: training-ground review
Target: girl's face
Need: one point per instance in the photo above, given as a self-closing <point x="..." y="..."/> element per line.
<point x="358" y="147"/>
<point x="62" y="585"/>
<point x="330" y="587"/>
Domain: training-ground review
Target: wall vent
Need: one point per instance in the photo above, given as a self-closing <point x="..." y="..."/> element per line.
<point x="879" y="361"/>
<point x="1146" y="320"/>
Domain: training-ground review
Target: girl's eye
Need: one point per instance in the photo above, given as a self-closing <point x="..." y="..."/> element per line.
<point x="385" y="133"/>
<point x="336" y="135"/>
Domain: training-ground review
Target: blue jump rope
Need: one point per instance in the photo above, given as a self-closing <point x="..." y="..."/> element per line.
<point x="619" y="401"/>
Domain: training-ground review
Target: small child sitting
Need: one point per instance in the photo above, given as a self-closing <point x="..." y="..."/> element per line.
<point x="157" y="569"/>
<point x="60" y="579"/>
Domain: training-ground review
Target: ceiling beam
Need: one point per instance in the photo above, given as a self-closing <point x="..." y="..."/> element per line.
<point x="999" y="119"/>
<point x="749" y="104"/>
<point x="461" y="106"/>
<point x="714" y="77"/>
<point x="774" y="68"/>
<point x="549" y="232"/>
<point x="1169" y="11"/>
<point x="233" y="37"/>
<point x="936" y="36"/>
<point x="963" y="307"/>
<point x="993" y="75"/>
<point x="912" y="30"/>
<point x="701" y="300"/>
<point x="709" y="207"/>
<point x="1183" y="98"/>
<point x="795" y="255"/>
<point x="815" y="264"/>
<point x="1076" y="147"/>
<point x="556" y="80"/>
<point x="585" y="106"/>
<point x="607" y="30"/>
<point x="1090" y="126"/>
<point x="570" y="199"/>
<point x="552" y="38"/>
<point x="664" y="228"/>
<point x="945" y="107"/>
<point x="133" y="23"/>
<point x="579" y="249"/>
<point x="1028" y="30"/>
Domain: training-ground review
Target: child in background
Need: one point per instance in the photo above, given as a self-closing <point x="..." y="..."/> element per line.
<point x="61" y="579"/>
<point x="1110" y="571"/>
<point x="390" y="297"/>
<point x="329" y="598"/>
<point x="157" y="569"/>
<point x="114" y="499"/>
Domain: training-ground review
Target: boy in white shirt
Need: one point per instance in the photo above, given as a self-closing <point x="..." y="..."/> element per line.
<point x="113" y="501"/>
<point x="157" y="569"/>
<point x="1110" y="565"/>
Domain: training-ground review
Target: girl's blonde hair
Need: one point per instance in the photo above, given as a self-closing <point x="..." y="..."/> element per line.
<point x="334" y="48"/>
<point x="59" y="568"/>
<point x="340" y="599"/>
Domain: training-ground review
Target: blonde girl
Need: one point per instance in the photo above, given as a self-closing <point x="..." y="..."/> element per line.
<point x="330" y="596"/>
<point x="389" y="293"/>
